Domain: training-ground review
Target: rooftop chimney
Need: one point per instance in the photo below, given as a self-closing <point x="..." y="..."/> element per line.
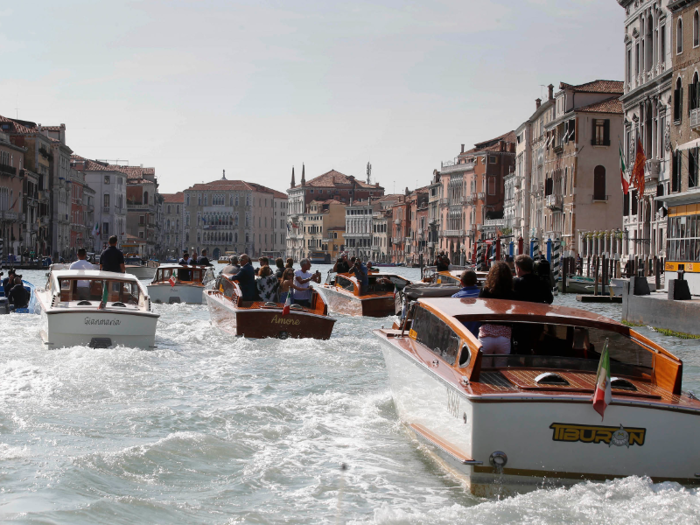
<point x="551" y="91"/>
<point x="462" y="148"/>
<point x="538" y="103"/>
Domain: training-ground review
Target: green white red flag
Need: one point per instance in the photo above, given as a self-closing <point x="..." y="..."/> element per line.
<point x="603" y="394"/>
<point x="623" y="176"/>
<point x="105" y="295"/>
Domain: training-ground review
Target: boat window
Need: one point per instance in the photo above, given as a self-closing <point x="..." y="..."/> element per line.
<point x="345" y="283"/>
<point x="380" y="284"/>
<point x="399" y="282"/>
<point x="465" y="356"/>
<point x="622" y="384"/>
<point x="548" y="378"/>
<point x="565" y="347"/>
<point x="92" y="291"/>
<point x="434" y="333"/>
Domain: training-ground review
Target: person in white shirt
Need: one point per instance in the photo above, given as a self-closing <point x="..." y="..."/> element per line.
<point x="83" y="264"/>
<point x="302" y="278"/>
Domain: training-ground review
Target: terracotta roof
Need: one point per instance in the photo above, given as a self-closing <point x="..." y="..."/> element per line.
<point x="235" y="185"/>
<point x="177" y="198"/>
<point x="488" y="144"/>
<point x="19" y="128"/>
<point x="134" y="172"/>
<point x="333" y="178"/>
<point x="610" y="105"/>
<point x="596" y="86"/>
<point x="91" y="165"/>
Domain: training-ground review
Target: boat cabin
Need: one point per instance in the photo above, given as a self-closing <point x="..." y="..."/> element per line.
<point x="553" y="348"/>
<point x="184" y="274"/>
<point x="71" y="290"/>
<point x="378" y="283"/>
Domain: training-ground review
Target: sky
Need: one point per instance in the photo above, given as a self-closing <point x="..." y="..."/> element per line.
<point x="194" y="87"/>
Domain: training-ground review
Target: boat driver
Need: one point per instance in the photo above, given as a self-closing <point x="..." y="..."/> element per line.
<point x="83" y="287"/>
<point x="360" y="272"/>
<point x="19" y="296"/>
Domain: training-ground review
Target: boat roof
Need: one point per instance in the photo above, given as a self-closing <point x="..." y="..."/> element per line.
<point x="478" y="309"/>
<point x="94" y="274"/>
<point x="167" y="266"/>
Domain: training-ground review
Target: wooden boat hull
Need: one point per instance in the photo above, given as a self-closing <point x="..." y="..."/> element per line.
<point x="558" y="440"/>
<point x="366" y="306"/>
<point x="259" y="323"/>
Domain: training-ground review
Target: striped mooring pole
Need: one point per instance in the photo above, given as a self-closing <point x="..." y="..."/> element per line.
<point x="535" y="249"/>
<point x="556" y="258"/>
<point x="480" y="250"/>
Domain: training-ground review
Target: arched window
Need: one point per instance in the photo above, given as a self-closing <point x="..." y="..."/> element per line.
<point x="679" y="37"/>
<point x="145" y="197"/>
<point x="696" y="29"/>
<point x="694" y="94"/>
<point x="599" y="184"/>
<point x="678" y="101"/>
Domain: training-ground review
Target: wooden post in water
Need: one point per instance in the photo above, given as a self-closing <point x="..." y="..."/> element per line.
<point x="588" y="266"/>
<point x="604" y="279"/>
<point x="595" y="275"/>
<point x="657" y="273"/>
<point x="565" y="275"/>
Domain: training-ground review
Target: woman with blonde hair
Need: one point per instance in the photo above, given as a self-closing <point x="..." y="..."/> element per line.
<point x="287" y="284"/>
<point x="495" y="338"/>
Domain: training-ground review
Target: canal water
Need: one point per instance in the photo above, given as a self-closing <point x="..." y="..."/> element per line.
<point x="210" y="429"/>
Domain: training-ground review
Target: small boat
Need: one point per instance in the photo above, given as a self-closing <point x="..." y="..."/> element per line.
<point x="178" y="283"/>
<point x="342" y="293"/>
<point x="226" y="258"/>
<point x="384" y="265"/>
<point x="32" y="308"/>
<point x="258" y="319"/>
<point x="113" y="310"/>
<point x="509" y="423"/>
<point x="578" y="284"/>
<point x="140" y="268"/>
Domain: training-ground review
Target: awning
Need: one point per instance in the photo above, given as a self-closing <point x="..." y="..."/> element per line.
<point x="688" y="145"/>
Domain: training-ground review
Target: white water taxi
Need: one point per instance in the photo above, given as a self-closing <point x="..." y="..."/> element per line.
<point x="178" y="283"/>
<point x="510" y="423"/>
<point x="97" y="309"/>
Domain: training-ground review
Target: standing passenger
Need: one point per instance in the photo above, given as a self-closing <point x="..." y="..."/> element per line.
<point x="112" y="259"/>
<point x="302" y="279"/>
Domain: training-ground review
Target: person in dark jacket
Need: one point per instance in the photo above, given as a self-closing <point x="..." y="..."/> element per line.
<point x="528" y="286"/>
<point x="246" y="279"/>
<point x="112" y="259"/>
<point x="19" y="296"/>
<point x="279" y="270"/>
<point x="8" y="282"/>
<point x="203" y="260"/>
<point x="341" y="265"/>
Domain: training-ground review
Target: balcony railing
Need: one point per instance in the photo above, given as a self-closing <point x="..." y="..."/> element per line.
<point x="8" y="215"/>
<point x="444" y="201"/>
<point x="454" y="233"/>
<point x="653" y="169"/>
<point x="695" y="118"/>
<point x="553" y="202"/>
<point x="6" y="169"/>
<point x="468" y="200"/>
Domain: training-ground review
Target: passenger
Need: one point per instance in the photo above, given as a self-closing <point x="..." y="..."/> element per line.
<point x="341" y="265"/>
<point x="544" y="272"/>
<point x="246" y="279"/>
<point x="8" y="282"/>
<point x="193" y="258"/>
<point x="184" y="275"/>
<point x="184" y="258"/>
<point x="287" y="285"/>
<point x="83" y="287"/>
<point x="279" y="270"/>
<point x="302" y="279"/>
<point x="267" y="285"/>
<point x="19" y="296"/>
<point x="233" y="266"/>
<point x="370" y="268"/>
<point x="495" y="338"/>
<point x="264" y="261"/>
<point x="469" y="287"/>
<point x="290" y="262"/>
<point x="360" y="272"/>
<point x="528" y="286"/>
<point x="112" y="259"/>
<point x="203" y="260"/>
<point x="442" y="263"/>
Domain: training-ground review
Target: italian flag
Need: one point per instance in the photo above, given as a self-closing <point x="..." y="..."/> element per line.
<point x="602" y="395"/>
<point x="288" y="303"/>
<point x="623" y="168"/>
<point x="105" y="295"/>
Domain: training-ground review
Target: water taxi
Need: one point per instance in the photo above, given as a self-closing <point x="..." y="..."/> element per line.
<point x="343" y="294"/>
<point x="511" y="423"/>
<point x="178" y="283"/>
<point x="97" y="309"/>
<point x="258" y="319"/>
<point x="141" y="269"/>
<point x="31" y="308"/>
<point x="431" y="275"/>
<point x="225" y="258"/>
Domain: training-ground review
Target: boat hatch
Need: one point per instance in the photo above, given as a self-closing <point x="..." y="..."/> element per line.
<point x="550" y="378"/>
<point x="622" y="384"/>
<point x="100" y="342"/>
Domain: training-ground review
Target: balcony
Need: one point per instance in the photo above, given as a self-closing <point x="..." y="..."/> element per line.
<point x="397" y="222"/>
<point x="396" y="240"/>
<point x="695" y="119"/>
<point x="6" y="169"/>
<point x="8" y="216"/>
<point x="454" y="233"/>
<point x="653" y="169"/>
<point x="481" y="196"/>
<point x="468" y="200"/>
<point x="553" y="202"/>
<point x="444" y="201"/>
<point x="452" y="167"/>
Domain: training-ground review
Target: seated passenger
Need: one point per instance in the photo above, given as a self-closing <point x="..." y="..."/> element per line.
<point x="468" y="282"/>
<point x="495" y="338"/>
<point x="246" y="279"/>
<point x="267" y="285"/>
<point x="528" y="286"/>
<point x="19" y="296"/>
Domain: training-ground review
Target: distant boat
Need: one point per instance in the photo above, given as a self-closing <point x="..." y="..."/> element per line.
<point x="139" y="268"/>
<point x="32" y="308"/>
<point x="177" y="283"/>
<point x="342" y="293"/>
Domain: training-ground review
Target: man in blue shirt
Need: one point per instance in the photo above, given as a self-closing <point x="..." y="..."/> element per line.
<point x="469" y="287"/>
<point x="360" y="271"/>
<point x="246" y="279"/>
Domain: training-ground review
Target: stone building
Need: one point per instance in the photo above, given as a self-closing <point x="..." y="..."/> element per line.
<point x="172" y="226"/>
<point x="144" y="205"/>
<point x="316" y="225"/>
<point x="11" y="202"/>
<point x="330" y="185"/>
<point x="109" y="185"/>
<point x="230" y="215"/>
<point x="582" y="188"/>
<point x="683" y="197"/>
<point x="648" y="91"/>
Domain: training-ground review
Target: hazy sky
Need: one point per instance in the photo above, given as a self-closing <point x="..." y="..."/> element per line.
<point x="255" y="87"/>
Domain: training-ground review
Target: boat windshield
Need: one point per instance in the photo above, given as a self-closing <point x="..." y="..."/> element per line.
<point x="566" y="347"/>
<point x="188" y="274"/>
<point x="385" y="283"/>
<point x="91" y="290"/>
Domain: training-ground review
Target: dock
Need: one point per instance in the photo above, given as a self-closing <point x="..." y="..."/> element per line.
<point x="598" y="299"/>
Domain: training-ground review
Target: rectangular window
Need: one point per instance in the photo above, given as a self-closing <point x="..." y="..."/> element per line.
<point x="601" y="132"/>
<point x="106" y="200"/>
<point x="106" y="179"/>
<point x="105" y="228"/>
<point x="141" y="221"/>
